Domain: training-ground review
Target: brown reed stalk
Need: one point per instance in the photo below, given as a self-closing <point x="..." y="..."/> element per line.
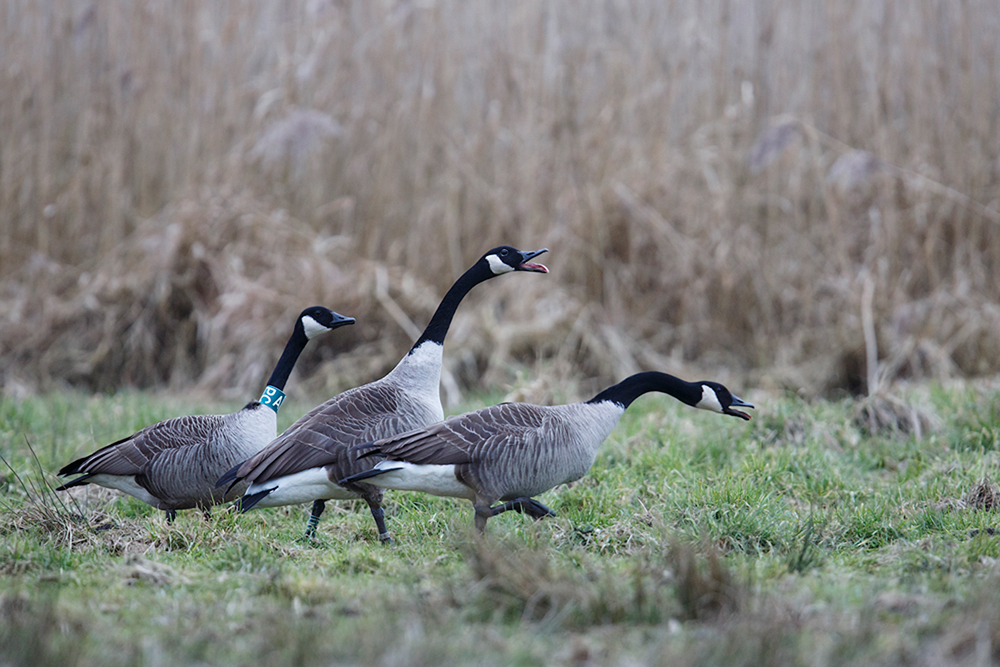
<point x="712" y="180"/>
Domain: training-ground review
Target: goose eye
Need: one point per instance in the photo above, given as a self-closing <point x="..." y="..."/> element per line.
<point x="503" y="253"/>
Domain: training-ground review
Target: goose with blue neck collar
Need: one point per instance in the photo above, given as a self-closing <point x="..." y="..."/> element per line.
<point x="173" y="464"/>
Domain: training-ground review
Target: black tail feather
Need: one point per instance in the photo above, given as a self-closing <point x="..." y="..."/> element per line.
<point x="78" y="465"/>
<point x="247" y="502"/>
<point x="374" y="472"/>
<point x="79" y="481"/>
<point x="74" y="467"/>
<point x="231" y="478"/>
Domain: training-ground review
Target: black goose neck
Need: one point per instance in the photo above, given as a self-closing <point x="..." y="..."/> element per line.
<point x="636" y="385"/>
<point x="437" y="328"/>
<point x="293" y="348"/>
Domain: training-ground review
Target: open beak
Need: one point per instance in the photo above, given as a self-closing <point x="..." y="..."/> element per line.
<point x="343" y="321"/>
<point x="527" y="265"/>
<point x="738" y="403"/>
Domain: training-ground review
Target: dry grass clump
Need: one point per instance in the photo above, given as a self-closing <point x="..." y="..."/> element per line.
<point x="137" y="569"/>
<point x="80" y="520"/>
<point x="983" y="496"/>
<point x="532" y="585"/>
<point x="40" y="508"/>
<point x="522" y="582"/>
<point x="719" y="184"/>
<point x="706" y="589"/>
<point x="193" y="296"/>
<point x="34" y="507"/>
<point x="886" y="413"/>
<point x="188" y="296"/>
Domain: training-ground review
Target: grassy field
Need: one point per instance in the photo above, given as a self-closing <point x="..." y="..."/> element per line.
<point x="799" y="197"/>
<point x="800" y="538"/>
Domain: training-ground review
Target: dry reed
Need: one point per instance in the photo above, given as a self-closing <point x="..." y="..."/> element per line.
<point x="718" y="183"/>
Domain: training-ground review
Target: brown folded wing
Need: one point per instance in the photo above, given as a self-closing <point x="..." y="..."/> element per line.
<point x="132" y="455"/>
<point x="466" y="438"/>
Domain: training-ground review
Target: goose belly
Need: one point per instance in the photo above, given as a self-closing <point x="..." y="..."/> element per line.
<point x="187" y="482"/>
<point x="301" y="487"/>
<point x="438" y="480"/>
<point x="563" y="451"/>
<point x="532" y="471"/>
<point x="532" y="485"/>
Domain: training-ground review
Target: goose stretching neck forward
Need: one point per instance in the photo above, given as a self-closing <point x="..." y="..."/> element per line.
<point x="513" y="451"/>
<point x="307" y="461"/>
<point x="173" y="465"/>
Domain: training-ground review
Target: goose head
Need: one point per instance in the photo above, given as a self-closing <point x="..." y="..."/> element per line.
<point x="318" y="320"/>
<point x="504" y="259"/>
<point x="717" y="398"/>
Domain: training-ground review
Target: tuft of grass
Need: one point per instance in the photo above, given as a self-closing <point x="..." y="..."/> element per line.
<point x="42" y="510"/>
<point x="706" y="589"/>
<point x="808" y="556"/>
<point x="983" y="496"/>
<point x="881" y="412"/>
<point x="518" y="584"/>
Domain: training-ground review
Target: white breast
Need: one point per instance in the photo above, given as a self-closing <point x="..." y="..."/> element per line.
<point x="418" y="374"/>
<point x="246" y="432"/>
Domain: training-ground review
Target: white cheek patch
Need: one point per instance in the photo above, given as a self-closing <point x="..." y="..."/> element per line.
<point x="312" y="327"/>
<point x="497" y="265"/>
<point x="709" y="401"/>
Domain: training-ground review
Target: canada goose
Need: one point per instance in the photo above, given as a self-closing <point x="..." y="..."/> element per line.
<point x="173" y="465"/>
<point x="305" y="462"/>
<point x="514" y="451"/>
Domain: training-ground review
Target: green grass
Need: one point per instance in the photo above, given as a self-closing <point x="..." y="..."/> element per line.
<point x="796" y="538"/>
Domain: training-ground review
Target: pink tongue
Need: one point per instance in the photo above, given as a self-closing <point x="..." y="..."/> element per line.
<point x="536" y="267"/>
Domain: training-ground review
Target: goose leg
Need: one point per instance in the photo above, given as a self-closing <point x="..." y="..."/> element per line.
<point x="317" y="509"/>
<point x="171" y="515"/>
<point x="483" y="512"/>
<point x="379" y="515"/>
<point x="529" y="506"/>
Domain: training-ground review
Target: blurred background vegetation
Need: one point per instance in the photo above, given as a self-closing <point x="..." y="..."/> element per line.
<point x="800" y="195"/>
